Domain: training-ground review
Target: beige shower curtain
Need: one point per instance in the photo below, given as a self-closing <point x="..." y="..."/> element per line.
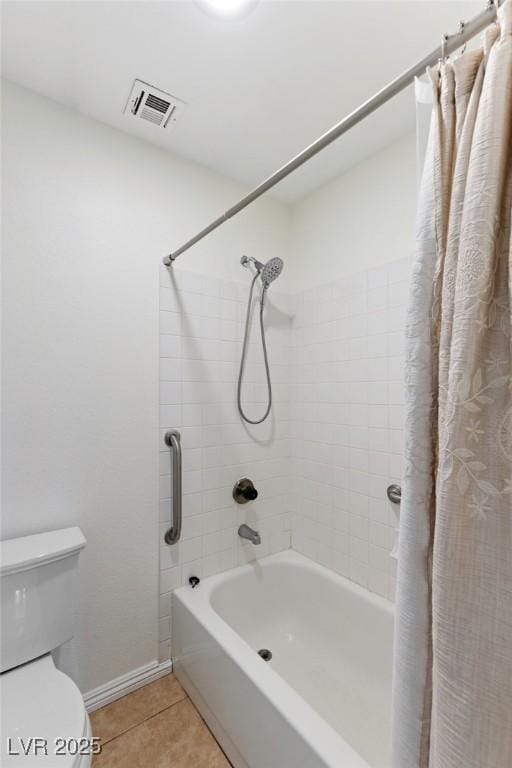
<point x="452" y="705"/>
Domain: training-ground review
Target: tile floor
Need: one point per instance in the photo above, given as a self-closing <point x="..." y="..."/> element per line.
<point x="157" y="726"/>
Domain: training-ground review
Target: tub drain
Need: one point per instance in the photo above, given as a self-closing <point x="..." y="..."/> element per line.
<point x="265" y="654"/>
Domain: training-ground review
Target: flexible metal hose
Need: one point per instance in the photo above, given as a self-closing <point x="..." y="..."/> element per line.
<point x="244" y="354"/>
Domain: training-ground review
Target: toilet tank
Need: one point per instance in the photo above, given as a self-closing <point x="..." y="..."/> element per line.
<point x="38" y="591"/>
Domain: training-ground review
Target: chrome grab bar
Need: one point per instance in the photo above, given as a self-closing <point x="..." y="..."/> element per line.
<point x="173" y="440"/>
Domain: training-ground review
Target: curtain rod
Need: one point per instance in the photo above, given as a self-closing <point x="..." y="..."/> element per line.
<point x="449" y="44"/>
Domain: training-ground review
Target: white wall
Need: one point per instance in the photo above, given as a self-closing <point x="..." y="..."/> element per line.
<point x="88" y="214"/>
<point x="360" y="220"/>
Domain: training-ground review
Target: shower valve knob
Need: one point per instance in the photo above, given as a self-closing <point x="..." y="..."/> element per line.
<point x="244" y="491"/>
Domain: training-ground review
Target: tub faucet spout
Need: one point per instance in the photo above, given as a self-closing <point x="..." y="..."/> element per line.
<point x="246" y="532"/>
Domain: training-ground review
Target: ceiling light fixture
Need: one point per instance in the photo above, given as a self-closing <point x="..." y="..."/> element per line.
<point x="227" y="8"/>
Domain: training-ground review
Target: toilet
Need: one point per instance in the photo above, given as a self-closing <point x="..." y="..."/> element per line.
<point x="43" y="717"/>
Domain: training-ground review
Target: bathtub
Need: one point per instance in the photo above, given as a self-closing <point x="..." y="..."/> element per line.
<point x="323" y="700"/>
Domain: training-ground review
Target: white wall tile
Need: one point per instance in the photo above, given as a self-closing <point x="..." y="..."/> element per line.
<point x="347" y="406"/>
<point x="336" y="358"/>
<point x="201" y="329"/>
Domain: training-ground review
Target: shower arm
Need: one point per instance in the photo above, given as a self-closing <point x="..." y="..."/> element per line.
<point x="449" y="44"/>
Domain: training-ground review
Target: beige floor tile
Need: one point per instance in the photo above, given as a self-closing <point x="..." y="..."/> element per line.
<point x="114" y="719"/>
<point x="175" y="738"/>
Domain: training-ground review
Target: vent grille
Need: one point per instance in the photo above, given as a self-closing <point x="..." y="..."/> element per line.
<point x="161" y="105"/>
<point x="150" y="114"/>
<point x="146" y="102"/>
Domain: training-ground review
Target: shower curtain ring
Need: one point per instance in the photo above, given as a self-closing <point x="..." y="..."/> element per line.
<point x="462" y="25"/>
<point x="442" y="59"/>
<point x="444" y="43"/>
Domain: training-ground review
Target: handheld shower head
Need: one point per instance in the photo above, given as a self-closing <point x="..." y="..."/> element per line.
<point x="271" y="271"/>
<point x="268" y="272"/>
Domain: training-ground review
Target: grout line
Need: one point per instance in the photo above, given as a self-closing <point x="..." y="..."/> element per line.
<point x="211" y="734"/>
<point x="185" y="698"/>
<point x="141" y="722"/>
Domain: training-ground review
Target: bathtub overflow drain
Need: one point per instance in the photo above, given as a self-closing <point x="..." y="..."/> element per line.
<point x="265" y="654"/>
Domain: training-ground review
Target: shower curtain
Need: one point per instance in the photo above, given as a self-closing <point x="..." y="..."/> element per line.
<point x="452" y="689"/>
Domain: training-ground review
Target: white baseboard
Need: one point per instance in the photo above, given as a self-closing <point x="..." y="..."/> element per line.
<point x="120" y="686"/>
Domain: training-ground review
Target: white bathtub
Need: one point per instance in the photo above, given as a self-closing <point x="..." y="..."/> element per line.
<point x="323" y="699"/>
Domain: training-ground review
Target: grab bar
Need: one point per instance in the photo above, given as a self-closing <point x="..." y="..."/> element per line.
<point x="173" y="440"/>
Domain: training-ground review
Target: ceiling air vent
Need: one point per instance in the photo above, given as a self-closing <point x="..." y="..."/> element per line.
<point x="146" y="102"/>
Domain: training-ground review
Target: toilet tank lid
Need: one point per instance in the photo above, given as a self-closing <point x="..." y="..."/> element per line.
<point x="27" y="552"/>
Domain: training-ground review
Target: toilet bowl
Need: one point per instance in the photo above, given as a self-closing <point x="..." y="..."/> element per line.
<point x="43" y="720"/>
<point x="40" y="702"/>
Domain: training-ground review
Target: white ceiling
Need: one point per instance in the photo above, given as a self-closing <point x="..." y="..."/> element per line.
<point x="258" y="89"/>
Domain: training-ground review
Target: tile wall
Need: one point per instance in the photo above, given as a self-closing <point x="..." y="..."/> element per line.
<point x="335" y="437"/>
<point x="347" y="422"/>
<point x="201" y="329"/>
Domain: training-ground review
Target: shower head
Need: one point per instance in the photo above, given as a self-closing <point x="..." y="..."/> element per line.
<point x="268" y="272"/>
<point x="271" y="271"/>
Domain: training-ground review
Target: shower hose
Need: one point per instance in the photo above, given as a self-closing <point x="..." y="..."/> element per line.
<point x="244" y="355"/>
